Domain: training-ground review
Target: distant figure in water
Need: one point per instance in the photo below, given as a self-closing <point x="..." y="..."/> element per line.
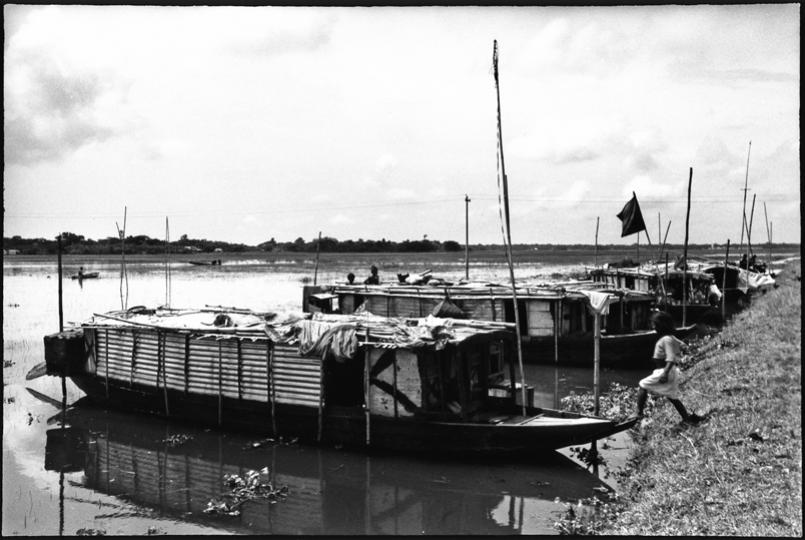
<point x="373" y="279"/>
<point x="80" y="272"/>
<point x="350" y="278"/>
<point x="664" y="381"/>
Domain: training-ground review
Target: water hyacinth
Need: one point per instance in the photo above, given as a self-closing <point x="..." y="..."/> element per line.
<point x="254" y="485"/>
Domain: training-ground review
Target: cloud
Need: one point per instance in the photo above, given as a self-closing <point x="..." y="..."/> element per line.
<point x="647" y="188"/>
<point x="384" y="168"/>
<point x="341" y="219"/>
<point x="54" y="105"/>
<point x="273" y="31"/>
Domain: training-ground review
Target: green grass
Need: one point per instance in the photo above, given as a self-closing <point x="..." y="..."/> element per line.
<point x="740" y="471"/>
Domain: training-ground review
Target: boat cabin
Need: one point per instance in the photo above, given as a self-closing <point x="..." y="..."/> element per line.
<point x="544" y="311"/>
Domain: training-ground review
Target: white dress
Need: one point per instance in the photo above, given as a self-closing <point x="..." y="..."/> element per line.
<point x="669" y="349"/>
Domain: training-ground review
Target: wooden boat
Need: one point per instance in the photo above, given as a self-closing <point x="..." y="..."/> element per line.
<point x="556" y="319"/>
<point x="423" y="385"/>
<point x="86" y="275"/>
<point x="702" y="303"/>
<point x="214" y="262"/>
<point x="393" y="496"/>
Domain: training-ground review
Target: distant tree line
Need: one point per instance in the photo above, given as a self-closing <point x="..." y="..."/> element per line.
<point x="142" y="244"/>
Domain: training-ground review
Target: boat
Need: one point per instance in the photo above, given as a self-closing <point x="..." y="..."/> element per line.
<point x="556" y="318"/>
<point x="701" y="305"/>
<point x="214" y="262"/>
<point x="177" y="472"/>
<point x="432" y="385"/>
<point x="740" y="285"/>
<point x="86" y="275"/>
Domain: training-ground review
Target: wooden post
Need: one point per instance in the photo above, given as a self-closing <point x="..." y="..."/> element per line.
<point x="366" y="369"/>
<point x="220" y="385"/>
<point x="596" y="374"/>
<point x="597" y="221"/>
<point x="768" y="235"/>
<point x="724" y="285"/>
<point x="596" y="360"/>
<point x="394" y="367"/>
<point x="58" y="269"/>
<point x="167" y="263"/>
<point x="161" y="360"/>
<point x="638" y="249"/>
<point x="316" y="270"/>
<point x="466" y="237"/>
<point x="556" y="320"/>
<point x="321" y="396"/>
<point x="685" y="269"/>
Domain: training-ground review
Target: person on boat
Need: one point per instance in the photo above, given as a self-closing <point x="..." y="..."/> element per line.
<point x="664" y="380"/>
<point x="373" y="279"/>
<point x="80" y="272"/>
<point x="350" y="278"/>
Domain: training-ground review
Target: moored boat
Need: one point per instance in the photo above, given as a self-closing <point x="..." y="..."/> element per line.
<point x="702" y="303"/>
<point x="430" y="385"/>
<point x="86" y="275"/>
<point x="557" y="319"/>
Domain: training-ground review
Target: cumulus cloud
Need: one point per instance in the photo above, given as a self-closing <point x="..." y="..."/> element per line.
<point x="53" y="104"/>
<point x="50" y="112"/>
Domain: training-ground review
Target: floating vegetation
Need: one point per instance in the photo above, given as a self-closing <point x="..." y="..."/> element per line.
<point x="617" y="403"/>
<point x="90" y="532"/>
<point x="177" y="440"/>
<point x="8" y="363"/>
<point x="587" y="456"/>
<point x="280" y="441"/>
<point x="255" y="485"/>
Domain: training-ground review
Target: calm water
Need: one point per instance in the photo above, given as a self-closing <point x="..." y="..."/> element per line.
<point x="119" y="473"/>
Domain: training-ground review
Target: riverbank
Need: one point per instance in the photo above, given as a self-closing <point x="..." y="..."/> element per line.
<point x="739" y="472"/>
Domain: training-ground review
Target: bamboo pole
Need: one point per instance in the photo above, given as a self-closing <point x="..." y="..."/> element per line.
<point x="596" y="361"/>
<point x="167" y="263"/>
<point x="366" y="368"/>
<point x="597" y="220"/>
<point x="59" y="270"/>
<point x="749" y="234"/>
<point x="724" y="285"/>
<point x="685" y="269"/>
<point x="768" y="235"/>
<point x="316" y="270"/>
<point x="466" y="237"/>
<point x="507" y="237"/>
<point x="745" y="189"/>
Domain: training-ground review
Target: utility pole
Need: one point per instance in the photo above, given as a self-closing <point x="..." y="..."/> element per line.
<point x="466" y="237"/>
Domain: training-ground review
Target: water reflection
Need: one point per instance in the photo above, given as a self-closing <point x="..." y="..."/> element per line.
<point x="331" y="491"/>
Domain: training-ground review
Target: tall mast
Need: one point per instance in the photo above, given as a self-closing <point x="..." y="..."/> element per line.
<point x="746" y="188"/>
<point x="507" y="239"/>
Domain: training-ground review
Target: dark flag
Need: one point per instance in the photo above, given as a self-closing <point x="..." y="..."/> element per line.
<point x="631" y="217"/>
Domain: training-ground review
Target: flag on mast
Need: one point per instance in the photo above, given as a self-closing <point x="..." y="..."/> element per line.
<point x="632" y="218"/>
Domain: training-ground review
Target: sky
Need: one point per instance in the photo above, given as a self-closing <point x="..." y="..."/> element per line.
<point x="249" y="123"/>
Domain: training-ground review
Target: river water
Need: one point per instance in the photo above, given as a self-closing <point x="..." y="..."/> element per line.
<point x="127" y="474"/>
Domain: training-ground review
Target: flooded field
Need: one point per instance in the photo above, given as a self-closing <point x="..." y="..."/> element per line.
<point x="125" y="474"/>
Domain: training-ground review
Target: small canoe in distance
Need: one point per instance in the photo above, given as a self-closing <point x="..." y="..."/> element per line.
<point x="216" y="262"/>
<point x="86" y="275"/>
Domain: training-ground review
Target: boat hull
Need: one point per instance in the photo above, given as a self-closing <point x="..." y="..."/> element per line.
<point x="617" y="351"/>
<point x="347" y="426"/>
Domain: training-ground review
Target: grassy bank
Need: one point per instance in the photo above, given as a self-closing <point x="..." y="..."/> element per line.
<point x="739" y="472"/>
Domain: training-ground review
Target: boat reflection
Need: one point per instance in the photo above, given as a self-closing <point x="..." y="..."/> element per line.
<point x="330" y="491"/>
